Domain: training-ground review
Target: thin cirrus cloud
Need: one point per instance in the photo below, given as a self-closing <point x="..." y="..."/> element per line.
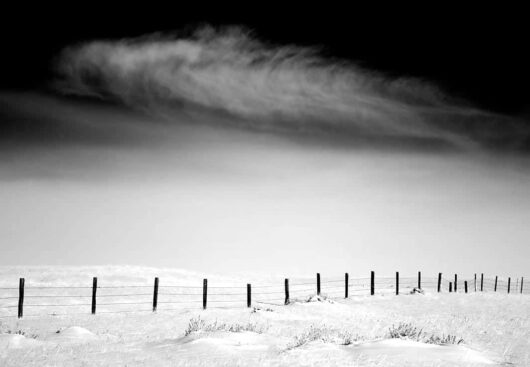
<point x="286" y="88"/>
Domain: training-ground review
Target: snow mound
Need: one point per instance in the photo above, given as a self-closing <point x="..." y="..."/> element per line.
<point x="413" y="351"/>
<point x="15" y="341"/>
<point x="215" y="346"/>
<point x="73" y="333"/>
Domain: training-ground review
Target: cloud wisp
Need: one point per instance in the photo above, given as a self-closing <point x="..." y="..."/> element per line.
<point x="276" y="88"/>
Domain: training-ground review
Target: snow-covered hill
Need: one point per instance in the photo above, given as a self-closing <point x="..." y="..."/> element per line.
<point x="428" y="329"/>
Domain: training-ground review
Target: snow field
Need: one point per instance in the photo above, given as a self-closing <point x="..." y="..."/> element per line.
<point x="495" y="329"/>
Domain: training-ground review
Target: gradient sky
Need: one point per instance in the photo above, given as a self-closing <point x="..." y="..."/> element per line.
<point x="156" y="153"/>
<point x="224" y="199"/>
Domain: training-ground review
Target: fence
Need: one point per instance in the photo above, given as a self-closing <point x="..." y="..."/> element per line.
<point x="75" y="300"/>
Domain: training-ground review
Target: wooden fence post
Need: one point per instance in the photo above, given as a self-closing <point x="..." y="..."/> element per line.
<point x="455" y="281"/>
<point x="155" y="295"/>
<point x="465" y="286"/>
<point x="495" y="287"/>
<point x="318" y="284"/>
<point x="249" y="295"/>
<point x="346" y="281"/>
<point x="94" y="288"/>
<point x="475" y="282"/>
<point x="482" y="282"/>
<point x="287" y="291"/>
<point x="522" y="285"/>
<point x="397" y="283"/>
<point x="21" y="297"/>
<point x="419" y="279"/>
<point x="439" y="282"/>
<point x="204" y="293"/>
<point x="509" y="279"/>
<point x="450" y="287"/>
<point x="372" y="283"/>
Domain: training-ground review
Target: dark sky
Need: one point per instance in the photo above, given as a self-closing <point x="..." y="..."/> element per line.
<point x="351" y="167"/>
<point x="474" y="54"/>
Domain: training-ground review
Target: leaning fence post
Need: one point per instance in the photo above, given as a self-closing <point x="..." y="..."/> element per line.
<point x="346" y="281"/>
<point x="287" y="291"/>
<point x="372" y="283"/>
<point x="204" y="293"/>
<point x="509" y="284"/>
<point x="318" y="284"/>
<point x="419" y="279"/>
<point x="21" y="297"/>
<point x="249" y="296"/>
<point x="465" y="286"/>
<point x="481" y="282"/>
<point x="439" y="282"/>
<point x="94" y="288"/>
<point x="522" y="285"/>
<point x="155" y="295"/>
<point x="450" y="287"/>
<point x="397" y="283"/>
<point x="495" y="286"/>
<point x="456" y="279"/>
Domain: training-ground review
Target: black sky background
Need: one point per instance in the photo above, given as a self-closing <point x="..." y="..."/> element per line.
<point x="472" y="54"/>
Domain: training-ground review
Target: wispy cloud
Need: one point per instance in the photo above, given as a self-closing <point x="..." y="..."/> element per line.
<point x="279" y="88"/>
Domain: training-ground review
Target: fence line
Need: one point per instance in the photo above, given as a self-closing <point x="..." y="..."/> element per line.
<point x="272" y="294"/>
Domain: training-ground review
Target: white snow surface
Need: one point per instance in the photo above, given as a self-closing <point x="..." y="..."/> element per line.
<point x="353" y="332"/>
<point x="9" y="341"/>
<point x="72" y="334"/>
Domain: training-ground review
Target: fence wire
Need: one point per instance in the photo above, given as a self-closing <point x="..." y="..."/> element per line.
<point x="125" y="298"/>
